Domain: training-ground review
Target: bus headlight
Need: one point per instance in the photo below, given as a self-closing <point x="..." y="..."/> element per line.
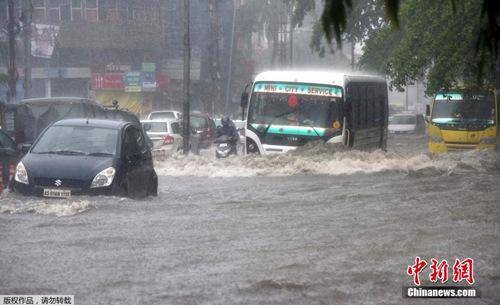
<point x="21" y="175"/>
<point x="436" y="138"/>
<point x="104" y="178"/>
<point x="488" y="140"/>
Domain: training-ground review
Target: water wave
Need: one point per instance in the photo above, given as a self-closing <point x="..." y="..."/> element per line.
<point x="320" y="159"/>
<point x="14" y="204"/>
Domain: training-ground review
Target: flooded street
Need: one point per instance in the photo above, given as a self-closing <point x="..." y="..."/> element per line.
<point x="305" y="228"/>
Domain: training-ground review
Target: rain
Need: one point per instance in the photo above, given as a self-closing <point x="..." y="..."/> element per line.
<point x="249" y="152"/>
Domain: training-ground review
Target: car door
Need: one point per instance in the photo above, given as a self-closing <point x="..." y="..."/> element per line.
<point x="138" y="161"/>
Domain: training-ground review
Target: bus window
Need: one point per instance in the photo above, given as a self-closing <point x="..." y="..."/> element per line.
<point x="371" y="97"/>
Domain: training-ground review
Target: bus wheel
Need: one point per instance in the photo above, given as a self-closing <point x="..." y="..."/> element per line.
<point x="252" y="148"/>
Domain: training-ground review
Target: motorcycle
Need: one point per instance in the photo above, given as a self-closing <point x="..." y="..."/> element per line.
<point x="225" y="146"/>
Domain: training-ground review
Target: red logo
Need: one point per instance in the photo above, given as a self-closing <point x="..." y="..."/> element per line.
<point x="463" y="270"/>
<point x="415" y="270"/>
<point x="439" y="270"/>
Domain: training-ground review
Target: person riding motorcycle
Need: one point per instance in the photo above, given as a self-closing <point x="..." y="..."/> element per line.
<point x="227" y="129"/>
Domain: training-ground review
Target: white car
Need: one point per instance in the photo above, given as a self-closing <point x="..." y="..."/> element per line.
<point x="406" y="123"/>
<point x="165" y="115"/>
<point x="165" y="135"/>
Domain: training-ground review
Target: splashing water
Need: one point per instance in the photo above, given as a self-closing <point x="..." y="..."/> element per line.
<point x="320" y="159"/>
<point x="15" y="204"/>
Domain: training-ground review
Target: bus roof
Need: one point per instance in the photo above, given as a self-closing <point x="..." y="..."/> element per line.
<point x="315" y="77"/>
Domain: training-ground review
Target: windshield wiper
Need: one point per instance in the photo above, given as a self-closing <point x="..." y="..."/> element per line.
<point x="97" y="154"/>
<point x="274" y="119"/>
<point x="313" y="128"/>
<point x="62" y="152"/>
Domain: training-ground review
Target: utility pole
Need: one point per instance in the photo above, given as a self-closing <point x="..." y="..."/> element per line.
<point x="27" y="14"/>
<point x="12" y="71"/>
<point x="215" y="89"/>
<point x="186" y="130"/>
<point x="230" y="67"/>
<point x="291" y="34"/>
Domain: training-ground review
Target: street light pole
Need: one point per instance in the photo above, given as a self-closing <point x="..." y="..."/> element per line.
<point x="230" y="66"/>
<point x="186" y="130"/>
<point x="12" y="70"/>
<point x="27" y="14"/>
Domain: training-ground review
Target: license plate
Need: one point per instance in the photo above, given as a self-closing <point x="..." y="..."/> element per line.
<point x="223" y="145"/>
<point x="56" y="193"/>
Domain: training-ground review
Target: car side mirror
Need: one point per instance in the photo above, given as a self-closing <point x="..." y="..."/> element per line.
<point x="427" y="113"/>
<point x="25" y="148"/>
<point x="244" y="99"/>
<point x="147" y="127"/>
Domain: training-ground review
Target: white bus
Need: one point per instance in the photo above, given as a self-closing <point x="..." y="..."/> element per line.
<point x="287" y="109"/>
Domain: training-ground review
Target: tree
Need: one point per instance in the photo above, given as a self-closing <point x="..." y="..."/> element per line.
<point x="334" y="20"/>
<point x="271" y="19"/>
<point x="363" y="18"/>
<point x="436" y="40"/>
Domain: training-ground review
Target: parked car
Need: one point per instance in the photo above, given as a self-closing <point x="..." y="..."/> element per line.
<point x="165" y="115"/>
<point x="32" y="116"/>
<point x="204" y="126"/>
<point x="165" y="135"/>
<point x="88" y="156"/>
<point x="407" y="123"/>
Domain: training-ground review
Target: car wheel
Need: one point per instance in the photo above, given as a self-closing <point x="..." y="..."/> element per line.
<point x="252" y="147"/>
<point x="121" y="190"/>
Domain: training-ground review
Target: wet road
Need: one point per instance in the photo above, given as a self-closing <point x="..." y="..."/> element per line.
<point x="310" y="228"/>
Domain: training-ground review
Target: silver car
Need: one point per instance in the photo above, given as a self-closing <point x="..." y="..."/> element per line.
<point x="165" y="135"/>
<point x="165" y="115"/>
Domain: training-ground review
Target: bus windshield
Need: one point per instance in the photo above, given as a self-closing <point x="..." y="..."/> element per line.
<point x="456" y="108"/>
<point x="296" y="108"/>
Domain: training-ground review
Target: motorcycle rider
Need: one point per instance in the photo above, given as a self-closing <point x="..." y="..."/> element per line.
<point x="227" y="129"/>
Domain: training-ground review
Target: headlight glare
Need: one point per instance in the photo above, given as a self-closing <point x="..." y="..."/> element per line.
<point x="104" y="178"/>
<point x="21" y="175"/>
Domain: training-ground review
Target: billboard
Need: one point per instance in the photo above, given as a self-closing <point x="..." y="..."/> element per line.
<point x="43" y="40"/>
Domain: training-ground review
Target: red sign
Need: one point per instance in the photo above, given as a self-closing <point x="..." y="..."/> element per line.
<point x="162" y="81"/>
<point x="109" y="81"/>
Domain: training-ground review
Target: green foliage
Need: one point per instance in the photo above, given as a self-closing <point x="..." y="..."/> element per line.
<point x="364" y="18"/>
<point x="436" y="39"/>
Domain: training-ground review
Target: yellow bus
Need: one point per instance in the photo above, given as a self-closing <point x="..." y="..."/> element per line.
<point x="460" y="120"/>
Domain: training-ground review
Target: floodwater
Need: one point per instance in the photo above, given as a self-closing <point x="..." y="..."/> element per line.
<point x="307" y="228"/>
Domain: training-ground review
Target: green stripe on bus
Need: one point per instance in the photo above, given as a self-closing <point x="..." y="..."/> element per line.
<point x="292" y="130"/>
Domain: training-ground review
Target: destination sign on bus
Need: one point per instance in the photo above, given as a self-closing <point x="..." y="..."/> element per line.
<point x="449" y="97"/>
<point x="459" y="97"/>
<point x="298" y="89"/>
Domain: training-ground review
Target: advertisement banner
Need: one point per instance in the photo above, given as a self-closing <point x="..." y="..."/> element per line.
<point x="43" y="40"/>
<point x="107" y="81"/>
<point x="148" y="67"/>
<point x="148" y="81"/>
<point x="133" y="81"/>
